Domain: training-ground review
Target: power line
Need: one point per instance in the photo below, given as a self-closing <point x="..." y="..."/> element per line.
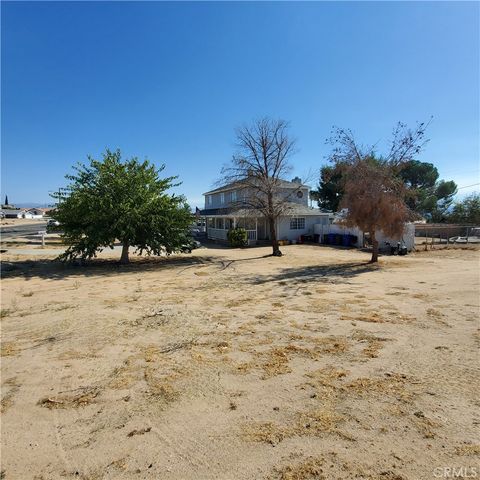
<point x="466" y="186"/>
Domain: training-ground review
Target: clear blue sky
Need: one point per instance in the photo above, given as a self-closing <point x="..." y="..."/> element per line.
<point x="170" y="81"/>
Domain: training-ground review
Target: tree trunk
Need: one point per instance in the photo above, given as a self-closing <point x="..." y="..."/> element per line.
<point x="273" y="237"/>
<point x="124" y="258"/>
<point x="375" y="247"/>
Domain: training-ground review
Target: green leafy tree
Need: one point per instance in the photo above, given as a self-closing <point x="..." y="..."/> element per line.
<point x="330" y="188"/>
<point x="425" y="195"/>
<point x="466" y="210"/>
<point x="112" y="200"/>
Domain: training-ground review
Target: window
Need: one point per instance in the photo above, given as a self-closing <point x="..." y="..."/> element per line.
<point x="222" y="198"/>
<point x="219" y="223"/>
<point x="209" y="199"/>
<point x="234" y="196"/>
<point x="297" y="223"/>
<point x="228" y="223"/>
<point x="211" y="222"/>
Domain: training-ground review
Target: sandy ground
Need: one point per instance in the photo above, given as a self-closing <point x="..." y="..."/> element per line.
<point x="230" y="364"/>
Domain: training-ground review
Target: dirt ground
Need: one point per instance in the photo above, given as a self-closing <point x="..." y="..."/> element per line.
<point x="230" y="364"/>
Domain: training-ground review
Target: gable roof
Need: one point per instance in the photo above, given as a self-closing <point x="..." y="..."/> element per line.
<point x="240" y="183"/>
<point x="291" y="209"/>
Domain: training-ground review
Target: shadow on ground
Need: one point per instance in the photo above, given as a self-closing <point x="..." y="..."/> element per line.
<point x="57" y="270"/>
<point x="326" y="273"/>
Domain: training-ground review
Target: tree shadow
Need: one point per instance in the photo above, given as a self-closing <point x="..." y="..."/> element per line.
<point x="321" y="273"/>
<point x="58" y="270"/>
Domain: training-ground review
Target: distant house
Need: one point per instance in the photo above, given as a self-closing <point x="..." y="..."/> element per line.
<point x="227" y="207"/>
<point x="22" y="213"/>
<point x="36" y="212"/>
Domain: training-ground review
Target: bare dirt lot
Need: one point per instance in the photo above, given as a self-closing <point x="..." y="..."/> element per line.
<point x="230" y="364"/>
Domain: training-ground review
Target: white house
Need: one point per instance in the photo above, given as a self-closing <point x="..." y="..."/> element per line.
<point x="226" y="208"/>
<point x="23" y="213"/>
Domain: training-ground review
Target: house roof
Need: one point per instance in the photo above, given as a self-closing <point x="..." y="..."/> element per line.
<point x="292" y="209"/>
<point x="240" y="183"/>
<point x="10" y="211"/>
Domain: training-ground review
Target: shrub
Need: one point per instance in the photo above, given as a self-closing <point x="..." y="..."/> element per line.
<point x="237" y="237"/>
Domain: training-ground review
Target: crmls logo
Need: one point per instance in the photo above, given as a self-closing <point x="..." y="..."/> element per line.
<point x="456" y="472"/>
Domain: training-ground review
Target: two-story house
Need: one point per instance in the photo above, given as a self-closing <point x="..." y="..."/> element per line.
<point x="228" y="207"/>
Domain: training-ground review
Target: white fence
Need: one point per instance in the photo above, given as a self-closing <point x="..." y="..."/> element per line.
<point x="217" y="234"/>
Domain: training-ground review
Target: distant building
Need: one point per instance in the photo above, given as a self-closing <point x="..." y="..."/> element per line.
<point x="22" y="213"/>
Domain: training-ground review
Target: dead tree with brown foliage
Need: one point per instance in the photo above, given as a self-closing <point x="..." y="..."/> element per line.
<point x="259" y="166"/>
<point x="374" y="197"/>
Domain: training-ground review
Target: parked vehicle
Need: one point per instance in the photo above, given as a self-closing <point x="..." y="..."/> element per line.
<point x="53" y="225"/>
<point x="191" y="245"/>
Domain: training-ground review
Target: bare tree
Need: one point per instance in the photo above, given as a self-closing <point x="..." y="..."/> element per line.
<point x="374" y="196"/>
<point x="259" y="166"/>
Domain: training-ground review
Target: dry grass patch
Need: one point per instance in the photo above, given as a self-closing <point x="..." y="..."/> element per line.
<point x="314" y="422"/>
<point x="7" y="399"/>
<point x="393" y="385"/>
<point x="160" y="387"/>
<point x="424" y="425"/>
<point x="370" y="317"/>
<point x="310" y="468"/>
<point x="9" y="349"/>
<point x="125" y="376"/>
<point x="374" y="344"/>
<point x="468" y="450"/>
<point x="76" y="355"/>
<point x="331" y="345"/>
<point x="80" y="398"/>
<point x="327" y="376"/>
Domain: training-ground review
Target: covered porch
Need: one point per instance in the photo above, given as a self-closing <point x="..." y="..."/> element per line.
<point x="218" y="227"/>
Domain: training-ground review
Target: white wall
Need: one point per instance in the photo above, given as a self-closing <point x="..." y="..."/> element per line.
<point x="408" y="237"/>
<point x="284" y="232"/>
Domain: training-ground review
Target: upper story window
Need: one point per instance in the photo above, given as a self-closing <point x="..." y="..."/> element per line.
<point x="297" y="223"/>
<point x="209" y="199"/>
<point x="234" y="196"/>
<point x="222" y="198"/>
<point x="299" y="194"/>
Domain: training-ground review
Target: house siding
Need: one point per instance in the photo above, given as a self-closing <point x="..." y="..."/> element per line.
<point x="285" y="233"/>
<point x="287" y="193"/>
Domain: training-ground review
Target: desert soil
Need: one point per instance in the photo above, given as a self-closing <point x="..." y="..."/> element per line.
<point x="230" y="364"/>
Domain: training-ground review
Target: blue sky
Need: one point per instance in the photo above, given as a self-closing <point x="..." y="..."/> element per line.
<point x="171" y="81"/>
